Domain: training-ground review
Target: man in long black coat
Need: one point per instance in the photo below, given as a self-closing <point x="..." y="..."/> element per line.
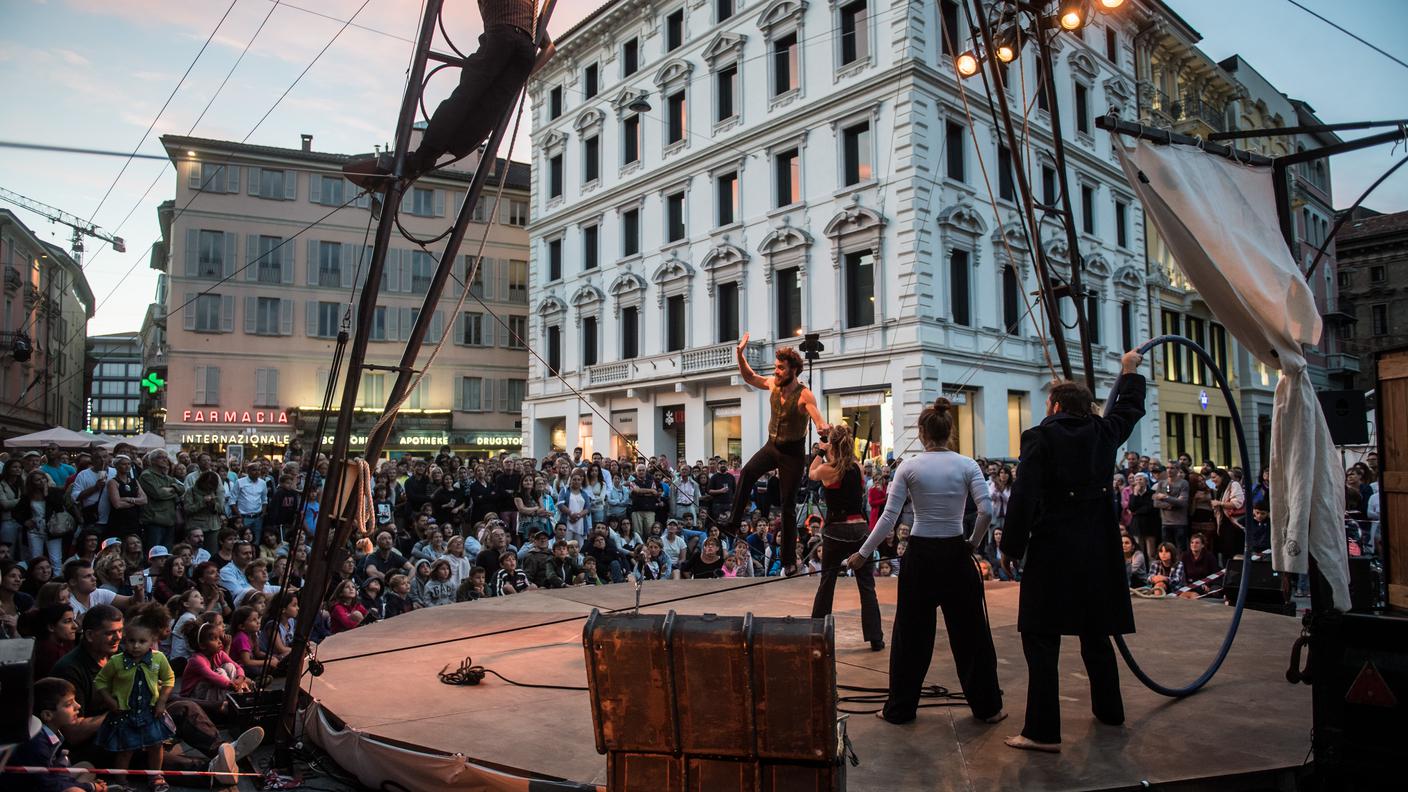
<point x="1073" y="580"/>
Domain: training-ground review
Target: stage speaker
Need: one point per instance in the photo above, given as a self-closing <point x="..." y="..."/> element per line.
<point x="16" y="689"/>
<point x="1345" y="413"/>
<point x="1264" y="588"/>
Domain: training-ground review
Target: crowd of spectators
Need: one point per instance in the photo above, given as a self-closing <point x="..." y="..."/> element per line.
<point x="206" y="552"/>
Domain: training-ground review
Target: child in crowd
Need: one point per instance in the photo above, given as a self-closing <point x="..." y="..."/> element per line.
<point x="589" y="575"/>
<point x="397" y="598"/>
<point x="134" y="686"/>
<point x="244" y="643"/>
<point x="1166" y="573"/>
<point x="440" y="590"/>
<point x="511" y="579"/>
<point x="57" y="709"/>
<point x="344" y="609"/>
<point x="278" y="625"/>
<point x="189" y="606"/>
<point x="473" y="587"/>
<point x="210" y="671"/>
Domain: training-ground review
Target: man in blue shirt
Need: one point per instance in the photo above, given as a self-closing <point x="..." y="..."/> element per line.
<point x="56" y="466"/>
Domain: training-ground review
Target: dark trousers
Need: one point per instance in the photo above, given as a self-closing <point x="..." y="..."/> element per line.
<point x="1043" y="705"/>
<point x="787" y="459"/>
<point x="939" y="573"/>
<point x="833" y="553"/>
<point x="490" y="79"/>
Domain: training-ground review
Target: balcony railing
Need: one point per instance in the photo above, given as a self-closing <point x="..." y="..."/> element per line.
<point x="720" y="357"/>
<point x="699" y="360"/>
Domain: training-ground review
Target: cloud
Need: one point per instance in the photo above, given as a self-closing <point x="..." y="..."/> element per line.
<point x="71" y="57"/>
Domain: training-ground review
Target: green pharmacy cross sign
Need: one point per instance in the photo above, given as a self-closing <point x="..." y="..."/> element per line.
<point x="153" y="383"/>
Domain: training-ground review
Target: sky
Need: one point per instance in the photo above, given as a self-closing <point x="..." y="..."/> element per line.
<point x="94" y="73"/>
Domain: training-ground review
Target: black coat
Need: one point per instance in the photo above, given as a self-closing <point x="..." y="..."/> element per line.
<point x="1059" y="516"/>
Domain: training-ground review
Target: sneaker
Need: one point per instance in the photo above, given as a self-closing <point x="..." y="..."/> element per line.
<point x="248" y="741"/>
<point x="371" y="172"/>
<point x="224" y="764"/>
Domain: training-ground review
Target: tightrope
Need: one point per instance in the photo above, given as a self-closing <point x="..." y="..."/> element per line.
<point x="113" y="771"/>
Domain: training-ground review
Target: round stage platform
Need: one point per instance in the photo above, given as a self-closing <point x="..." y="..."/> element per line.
<point x="387" y="717"/>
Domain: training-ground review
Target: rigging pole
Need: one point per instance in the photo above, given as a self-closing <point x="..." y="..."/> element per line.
<point x="338" y="508"/>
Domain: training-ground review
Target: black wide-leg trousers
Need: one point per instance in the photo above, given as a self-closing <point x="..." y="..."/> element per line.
<point x="939" y="573"/>
<point x="1043" y="653"/>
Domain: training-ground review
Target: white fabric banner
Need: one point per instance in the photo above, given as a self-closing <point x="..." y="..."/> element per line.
<point x="1218" y="218"/>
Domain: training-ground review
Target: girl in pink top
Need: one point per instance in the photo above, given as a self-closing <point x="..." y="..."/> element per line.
<point x="210" y="671"/>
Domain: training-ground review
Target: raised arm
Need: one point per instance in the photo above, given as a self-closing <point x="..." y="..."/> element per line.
<point x="746" y="371"/>
<point x="809" y="401"/>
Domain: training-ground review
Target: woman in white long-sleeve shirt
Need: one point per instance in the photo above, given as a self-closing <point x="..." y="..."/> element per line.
<point x="938" y="573"/>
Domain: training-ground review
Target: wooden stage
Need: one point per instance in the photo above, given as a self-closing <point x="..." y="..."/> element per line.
<point x="1248" y="727"/>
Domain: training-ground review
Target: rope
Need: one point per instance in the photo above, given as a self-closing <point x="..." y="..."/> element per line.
<point x="113" y="771"/>
<point x="1247" y="555"/>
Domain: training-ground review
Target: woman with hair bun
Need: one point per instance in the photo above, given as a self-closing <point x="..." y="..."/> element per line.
<point x="938" y="573"/>
<point x="845" y="529"/>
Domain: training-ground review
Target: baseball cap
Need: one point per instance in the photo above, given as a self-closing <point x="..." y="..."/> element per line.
<point x="157" y="551"/>
<point x="539" y="532"/>
<point x="110" y="542"/>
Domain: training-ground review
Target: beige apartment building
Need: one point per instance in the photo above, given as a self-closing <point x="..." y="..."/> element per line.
<point x="250" y="304"/>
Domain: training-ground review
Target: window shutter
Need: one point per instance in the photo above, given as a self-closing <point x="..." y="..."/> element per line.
<point x="227" y="314"/>
<point x="227" y="263"/>
<point x="193" y="177"/>
<point x="459" y="393"/>
<point x="261" y="387"/>
<point x="406" y="258"/>
<point x="315" y="188"/>
<point x="503" y="395"/>
<point x="251" y="315"/>
<point x="232" y="178"/>
<point x="310" y="319"/>
<point x="407" y="323"/>
<point x="192" y="252"/>
<point x="251" y="255"/>
<point x="493" y="331"/>
<point x="271" y="384"/>
<point x="254" y="180"/>
<point x="459" y="201"/>
<point x="457" y="338"/>
<point x="437" y="326"/>
<point x="439" y="203"/>
<point x="501" y="291"/>
<point x="286" y="317"/>
<point x="290" y="185"/>
<point x="190" y="311"/>
<point x="348" y="265"/>
<point x="212" y="383"/>
<point x="407" y="204"/>
<point x="392" y="268"/>
<point x="288" y="257"/>
<point x="312" y="262"/>
<point x="200" y="397"/>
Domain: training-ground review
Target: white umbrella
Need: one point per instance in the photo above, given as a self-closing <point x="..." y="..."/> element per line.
<point x="145" y="441"/>
<point x="59" y="436"/>
<point x="100" y="439"/>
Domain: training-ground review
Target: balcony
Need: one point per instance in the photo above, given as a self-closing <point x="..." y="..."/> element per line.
<point x="1342" y="362"/>
<point x="13" y="281"/>
<point x="712" y="359"/>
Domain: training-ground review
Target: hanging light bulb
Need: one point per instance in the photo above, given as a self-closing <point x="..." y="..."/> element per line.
<point x="1071" y="16"/>
<point x="1111" y="5"/>
<point x="967" y="64"/>
<point x="1005" y="53"/>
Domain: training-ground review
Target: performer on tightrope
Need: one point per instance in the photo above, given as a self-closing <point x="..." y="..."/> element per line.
<point x="845" y="529"/>
<point x="792" y="403"/>
<point x="1073" y="580"/>
<point x="490" y="80"/>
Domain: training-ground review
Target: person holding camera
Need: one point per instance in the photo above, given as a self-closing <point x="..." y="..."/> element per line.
<point x="846" y="528"/>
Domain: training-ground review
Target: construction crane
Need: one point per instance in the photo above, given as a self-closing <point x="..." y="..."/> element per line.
<point x="81" y="227"/>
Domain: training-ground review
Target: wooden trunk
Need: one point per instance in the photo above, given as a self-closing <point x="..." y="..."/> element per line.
<point x="794" y="676"/>
<point x="632" y="689"/>
<point x="715" y="775"/>
<point x="644" y="771"/>
<point x="712" y="675"/>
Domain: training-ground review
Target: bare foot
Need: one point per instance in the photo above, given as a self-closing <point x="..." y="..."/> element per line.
<point x="1020" y="742"/>
<point x="998" y="718"/>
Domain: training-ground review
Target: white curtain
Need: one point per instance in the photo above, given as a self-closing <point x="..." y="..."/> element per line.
<point x="1218" y="219"/>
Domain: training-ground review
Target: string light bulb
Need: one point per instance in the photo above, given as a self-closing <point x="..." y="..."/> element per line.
<point x="967" y="64"/>
<point x="1005" y="53"/>
<point x="1071" y="19"/>
<point x="1111" y="5"/>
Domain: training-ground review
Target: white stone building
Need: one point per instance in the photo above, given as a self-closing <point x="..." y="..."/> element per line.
<point x="807" y="167"/>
